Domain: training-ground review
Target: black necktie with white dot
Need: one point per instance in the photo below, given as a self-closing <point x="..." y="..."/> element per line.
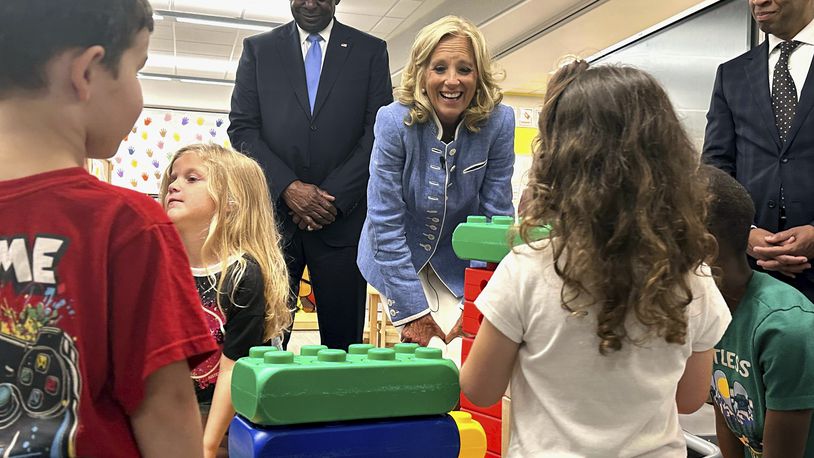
<point x="784" y="92"/>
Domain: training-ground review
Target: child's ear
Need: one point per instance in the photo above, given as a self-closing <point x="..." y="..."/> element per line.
<point x="84" y="69"/>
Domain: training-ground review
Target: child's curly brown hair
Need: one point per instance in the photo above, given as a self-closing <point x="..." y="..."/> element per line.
<point x="617" y="178"/>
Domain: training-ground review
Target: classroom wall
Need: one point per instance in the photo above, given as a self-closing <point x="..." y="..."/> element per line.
<point x="526" y="111"/>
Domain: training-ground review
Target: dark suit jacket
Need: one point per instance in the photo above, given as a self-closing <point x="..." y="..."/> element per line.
<point x="271" y="119"/>
<point x="742" y="139"/>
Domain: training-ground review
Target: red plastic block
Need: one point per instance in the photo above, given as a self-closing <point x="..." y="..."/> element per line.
<point x="474" y="282"/>
<point x="492" y="428"/>
<point x="494" y="411"/>
<point x="471" y="311"/>
<point x="466" y="347"/>
<point x="471" y="325"/>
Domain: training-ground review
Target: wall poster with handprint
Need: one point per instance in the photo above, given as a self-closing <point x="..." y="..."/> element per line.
<point x="146" y="151"/>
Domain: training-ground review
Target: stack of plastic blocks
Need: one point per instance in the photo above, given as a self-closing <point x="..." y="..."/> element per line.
<point x="489" y="417"/>
<point x="489" y="242"/>
<point x="367" y="402"/>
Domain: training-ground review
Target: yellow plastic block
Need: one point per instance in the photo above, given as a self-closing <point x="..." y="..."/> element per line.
<point x="473" y="438"/>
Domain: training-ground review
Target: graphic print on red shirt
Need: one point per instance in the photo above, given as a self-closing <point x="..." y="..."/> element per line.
<point x="40" y="384"/>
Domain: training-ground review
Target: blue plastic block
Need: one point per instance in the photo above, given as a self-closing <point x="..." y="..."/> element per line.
<point x="414" y="437"/>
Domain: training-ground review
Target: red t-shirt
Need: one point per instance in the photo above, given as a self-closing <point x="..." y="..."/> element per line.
<point x="95" y="295"/>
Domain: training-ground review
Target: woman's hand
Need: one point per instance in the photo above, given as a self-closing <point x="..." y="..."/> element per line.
<point x="421" y="331"/>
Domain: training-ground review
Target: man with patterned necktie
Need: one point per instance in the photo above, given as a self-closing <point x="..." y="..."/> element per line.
<point x="760" y="129"/>
<point x="305" y="100"/>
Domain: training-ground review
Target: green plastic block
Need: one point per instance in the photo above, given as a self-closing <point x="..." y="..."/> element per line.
<point x="272" y="387"/>
<point x="480" y="240"/>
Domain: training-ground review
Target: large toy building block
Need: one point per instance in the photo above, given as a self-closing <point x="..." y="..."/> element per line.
<point x="272" y="387"/>
<point x="475" y="281"/>
<point x="473" y="439"/>
<point x="434" y="436"/>
<point x="470" y="324"/>
<point x="472" y="317"/>
<point x="493" y="429"/>
<point x="480" y="240"/>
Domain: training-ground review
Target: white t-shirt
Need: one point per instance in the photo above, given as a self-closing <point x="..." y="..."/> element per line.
<point x="570" y="401"/>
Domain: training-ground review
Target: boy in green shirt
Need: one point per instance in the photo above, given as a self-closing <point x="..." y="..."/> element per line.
<point x="763" y="371"/>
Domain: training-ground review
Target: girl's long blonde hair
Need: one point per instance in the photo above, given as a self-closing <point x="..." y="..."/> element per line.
<point x="617" y="178"/>
<point x="243" y="225"/>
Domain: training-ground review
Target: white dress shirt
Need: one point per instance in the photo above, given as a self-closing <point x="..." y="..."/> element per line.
<point x="800" y="59"/>
<point x="305" y="44"/>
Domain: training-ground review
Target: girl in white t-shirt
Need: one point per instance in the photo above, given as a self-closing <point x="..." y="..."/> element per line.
<point x="606" y="330"/>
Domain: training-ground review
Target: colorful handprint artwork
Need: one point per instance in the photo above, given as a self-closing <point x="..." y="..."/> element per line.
<point x="155" y="138"/>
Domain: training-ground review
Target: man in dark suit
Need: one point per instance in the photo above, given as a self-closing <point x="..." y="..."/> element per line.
<point x="304" y="104"/>
<point x="760" y="129"/>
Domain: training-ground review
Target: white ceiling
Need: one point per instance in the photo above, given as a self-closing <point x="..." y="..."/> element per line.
<point x="528" y="36"/>
<point x="208" y="51"/>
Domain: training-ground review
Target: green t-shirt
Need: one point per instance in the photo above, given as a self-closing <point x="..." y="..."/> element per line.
<point x="765" y="360"/>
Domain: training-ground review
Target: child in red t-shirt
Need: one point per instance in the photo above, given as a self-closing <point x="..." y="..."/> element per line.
<point x="99" y="319"/>
<point x="219" y="201"/>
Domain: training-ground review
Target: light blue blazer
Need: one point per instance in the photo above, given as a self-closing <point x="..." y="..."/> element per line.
<point x="420" y="189"/>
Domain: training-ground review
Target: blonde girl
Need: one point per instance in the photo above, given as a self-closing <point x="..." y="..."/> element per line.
<point x="219" y="201"/>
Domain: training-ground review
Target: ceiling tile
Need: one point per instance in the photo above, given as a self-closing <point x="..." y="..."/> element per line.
<point x="201" y="74"/>
<point x="387" y="25"/>
<point x="203" y="49"/>
<point x="164" y="68"/>
<point x="160" y="45"/>
<point x="163" y="30"/>
<point x="404" y="8"/>
<point x="360" y="21"/>
<point x="267" y="10"/>
<point x="241" y="34"/>
<point x="367" y="7"/>
<point x="213" y="7"/>
<point x="205" y="34"/>
<point x="160" y="4"/>
<point x="188" y="62"/>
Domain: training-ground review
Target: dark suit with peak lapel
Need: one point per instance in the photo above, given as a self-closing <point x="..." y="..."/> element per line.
<point x="271" y="121"/>
<point x="742" y="139"/>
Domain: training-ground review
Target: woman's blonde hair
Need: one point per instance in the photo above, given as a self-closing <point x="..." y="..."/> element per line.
<point x="617" y="178"/>
<point x="487" y="93"/>
<point x="243" y="225"/>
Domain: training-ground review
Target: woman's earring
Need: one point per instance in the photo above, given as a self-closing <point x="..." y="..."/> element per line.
<point x="423" y="91"/>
